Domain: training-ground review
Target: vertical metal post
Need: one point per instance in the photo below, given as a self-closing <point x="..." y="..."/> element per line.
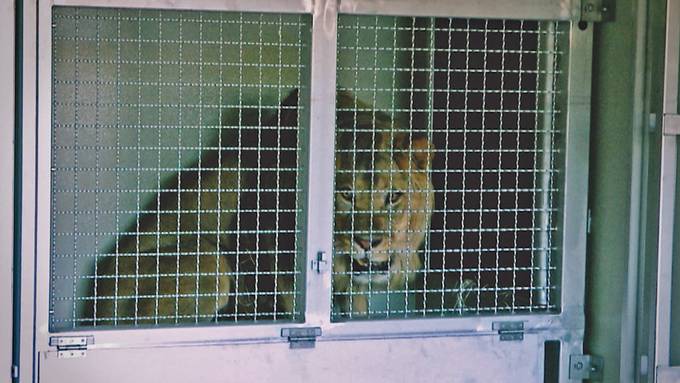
<point x="547" y="125"/>
<point x="7" y="196"/>
<point x="575" y="201"/>
<point x="321" y="166"/>
<point x="29" y="59"/>
<point x="667" y="189"/>
<point x="638" y="194"/>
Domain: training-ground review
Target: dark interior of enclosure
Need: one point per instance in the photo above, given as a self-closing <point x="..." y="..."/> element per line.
<point x="487" y="173"/>
<point x="485" y="107"/>
<point x="265" y="243"/>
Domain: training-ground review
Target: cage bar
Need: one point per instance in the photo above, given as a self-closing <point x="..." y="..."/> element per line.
<point x="475" y="101"/>
<point x="176" y="169"/>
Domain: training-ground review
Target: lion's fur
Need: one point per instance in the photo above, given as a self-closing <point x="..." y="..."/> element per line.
<point x="383" y="156"/>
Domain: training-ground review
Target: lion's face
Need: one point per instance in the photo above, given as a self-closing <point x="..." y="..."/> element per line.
<point x="383" y="202"/>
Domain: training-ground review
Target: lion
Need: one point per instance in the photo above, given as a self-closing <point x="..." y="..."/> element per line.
<point x="383" y="204"/>
<point x="206" y="250"/>
<point x="210" y="246"/>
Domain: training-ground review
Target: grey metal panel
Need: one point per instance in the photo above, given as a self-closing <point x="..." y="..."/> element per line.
<point x="667" y="190"/>
<point x="524" y="9"/>
<point x="321" y="166"/>
<point x="668" y="375"/>
<point x="542" y="258"/>
<point x="404" y="360"/>
<point x="27" y="368"/>
<point x="671" y="85"/>
<point x="546" y="326"/>
<point x="671" y="124"/>
<point x="7" y="193"/>
<point x="551" y="326"/>
<point x="638" y="194"/>
<point x="665" y="252"/>
<point x="288" y="6"/>
<point x="41" y="169"/>
<point x="576" y="166"/>
<point x="576" y="183"/>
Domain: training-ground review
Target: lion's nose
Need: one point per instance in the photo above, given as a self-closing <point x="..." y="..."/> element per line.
<point x="367" y="243"/>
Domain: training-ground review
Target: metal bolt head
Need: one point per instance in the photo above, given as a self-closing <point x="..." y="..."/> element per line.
<point x="578" y="366"/>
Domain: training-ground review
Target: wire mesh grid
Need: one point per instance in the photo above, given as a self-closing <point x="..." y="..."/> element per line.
<point x="176" y="168"/>
<point x="447" y="166"/>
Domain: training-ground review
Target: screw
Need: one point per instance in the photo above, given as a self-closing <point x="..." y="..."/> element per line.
<point x="590" y="7"/>
<point x="579" y="366"/>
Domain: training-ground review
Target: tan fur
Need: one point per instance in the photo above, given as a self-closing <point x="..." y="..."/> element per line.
<point x="148" y="279"/>
<point x="386" y="158"/>
<point x="145" y="279"/>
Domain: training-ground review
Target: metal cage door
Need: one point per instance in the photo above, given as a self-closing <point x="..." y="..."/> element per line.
<point x="306" y="190"/>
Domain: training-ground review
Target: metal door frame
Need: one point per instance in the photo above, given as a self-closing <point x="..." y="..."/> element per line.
<point x="567" y="325"/>
<point x="667" y="202"/>
<point x="7" y="131"/>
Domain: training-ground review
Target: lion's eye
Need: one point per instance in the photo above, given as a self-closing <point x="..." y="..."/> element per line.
<point x="347" y="195"/>
<point x="394" y="197"/>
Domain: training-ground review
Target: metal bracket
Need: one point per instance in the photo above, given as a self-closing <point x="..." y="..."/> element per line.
<point x="586" y="367"/>
<point x="593" y="11"/>
<point x="671" y="124"/>
<point x="509" y="330"/>
<point x="71" y="346"/>
<point x="652" y="123"/>
<point x="320" y="264"/>
<point x="301" y="337"/>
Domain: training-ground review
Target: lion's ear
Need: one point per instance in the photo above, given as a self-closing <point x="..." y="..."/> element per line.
<point x="419" y="148"/>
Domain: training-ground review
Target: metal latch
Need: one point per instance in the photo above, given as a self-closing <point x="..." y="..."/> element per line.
<point x="71" y="346"/>
<point x="586" y="367"/>
<point x="671" y="124"/>
<point x="593" y="10"/>
<point x="301" y="337"/>
<point x="509" y="330"/>
<point x="320" y="264"/>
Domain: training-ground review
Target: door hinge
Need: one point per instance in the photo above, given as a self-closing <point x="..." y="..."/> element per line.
<point x="301" y="337"/>
<point x="586" y="367"/>
<point x="71" y="346"/>
<point x="593" y="11"/>
<point x="671" y="124"/>
<point x="509" y="330"/>
<point x="652" y="123"/>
